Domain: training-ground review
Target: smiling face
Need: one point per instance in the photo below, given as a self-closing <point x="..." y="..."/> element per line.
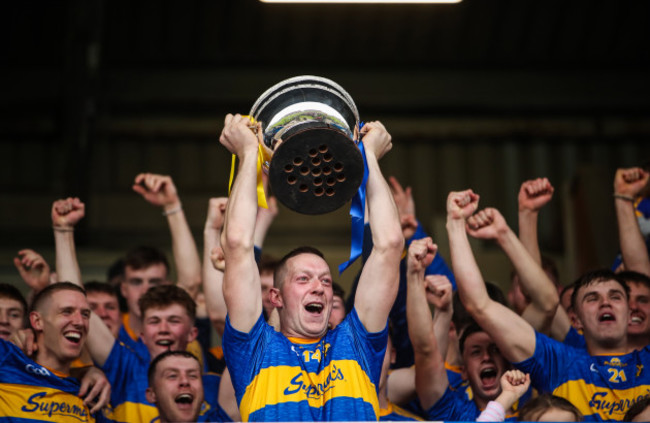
<point x="167" y="329"/>
<point x="177" y="389"/>
<point x="483" y="367"/>
<point x="304" y="299"/>
<point x="603" y="314"/>
<point x="639" y="310"/>
<point x="12" y="316"/>
<point x="107" y="308"/>
<point x="61" y="328"/>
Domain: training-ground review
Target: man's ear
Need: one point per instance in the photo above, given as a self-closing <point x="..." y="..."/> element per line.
<point x="191" y="336"/>
<point x="36" y="320"/>
<point x="150" y="395"/>
<point x="275" y="298"/>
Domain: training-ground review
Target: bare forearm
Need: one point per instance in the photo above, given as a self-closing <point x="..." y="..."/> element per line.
<point x="67" y="266"/>
<point x="418" y="315"/>
<point x="213" y="282"/>
<point x="528" y="233"/>
<point x="633" y="249"/>
<point x="534" y="281"/>
<point x="186" y="254"/>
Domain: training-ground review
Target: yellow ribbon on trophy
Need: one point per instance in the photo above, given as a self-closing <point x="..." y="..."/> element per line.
<point x="262" y="156"/>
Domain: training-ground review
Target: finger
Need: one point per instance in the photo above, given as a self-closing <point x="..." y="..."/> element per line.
<point x="395" y="186"/>
<point x="85" y="384"/>
<point x="103" y="399"/>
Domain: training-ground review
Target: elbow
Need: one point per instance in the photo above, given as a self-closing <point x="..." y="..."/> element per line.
<point x="237" y="239"/>
<point x="390" y="243"/>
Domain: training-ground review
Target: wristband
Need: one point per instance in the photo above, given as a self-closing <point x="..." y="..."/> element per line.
<point x="624" y="197"/>
<point x="172" y="211"/>
<point x="62" y="229"/>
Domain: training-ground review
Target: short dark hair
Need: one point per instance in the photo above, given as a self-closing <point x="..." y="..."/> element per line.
<point x="160" y="357"/>
<point x="47" y="292"/>
<point x="535" y="407"/>
<point x="144" y="256"/>
<point x="268" y="264"/>
<point x="594" y="277"/>
<point x="338" y="290"/>
<point x="470" y="329"/>
<point x="101" y="287"/>
<point x="280" y="270"/>
<point x="165" y="295"/>
<point x="637" y="408"/>
<point x="10" y="292"/>
<point x="461" y="317"/>
<point x="630" y="276"/>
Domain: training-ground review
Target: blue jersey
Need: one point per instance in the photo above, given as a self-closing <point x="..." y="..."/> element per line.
<point x="602" y="387"/>
<point x="575" y="339"/>
<point x="126" y="370"/>
<point x="30" y="392"/>
<point x="456" y="406"/>
<point x="281" y="379"/>
<point x="393" y="413"/>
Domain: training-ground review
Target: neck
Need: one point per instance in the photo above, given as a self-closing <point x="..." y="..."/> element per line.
<point x="135" y="324"/>
<point x="46" y="359"/>
<point x="637" y="342"/>
<point x="619" y="347"/>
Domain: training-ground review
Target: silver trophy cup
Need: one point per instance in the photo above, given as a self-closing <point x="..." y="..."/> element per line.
<point x="310" y="124"/>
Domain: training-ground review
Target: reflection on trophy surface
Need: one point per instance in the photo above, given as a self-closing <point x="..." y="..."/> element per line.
<point x="310" y="124"/>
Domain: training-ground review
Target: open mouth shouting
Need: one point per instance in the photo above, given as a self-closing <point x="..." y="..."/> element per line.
<point x="73" y="336"/>
<point x="489" y="378"/>
<point x="606" y="317"/>
<point x="165" y="343"/>
<point x="184" y="400"/>
<point x="314" y="308"/>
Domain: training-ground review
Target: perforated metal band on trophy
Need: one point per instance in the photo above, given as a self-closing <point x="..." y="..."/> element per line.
<point x="309" y="124"/>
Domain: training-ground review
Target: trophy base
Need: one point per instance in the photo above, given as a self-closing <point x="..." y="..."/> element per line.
<point x="316" y="169"/>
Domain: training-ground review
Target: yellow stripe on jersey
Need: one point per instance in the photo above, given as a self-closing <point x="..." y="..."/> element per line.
<point x="610" y="404"/>
<point x="133" y="412"/>
<point x="42" y="404"/>
<point x="281" y="384"/>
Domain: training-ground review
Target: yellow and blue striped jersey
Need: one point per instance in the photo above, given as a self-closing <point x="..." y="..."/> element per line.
<point x="281" y="379"/>
<point x="126" y="370"/>
<point x="394" y="413"/>
<point x="30" y="392"/>
<point x="602" y="387"/>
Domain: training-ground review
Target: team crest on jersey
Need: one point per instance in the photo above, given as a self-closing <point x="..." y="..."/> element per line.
<point x="615" y="362"/>
<point x="639" y="369"/>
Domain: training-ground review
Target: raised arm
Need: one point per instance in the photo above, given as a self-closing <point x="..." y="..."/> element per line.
<point x="242" y="286"/>
<point x="430" y="374"/>
<point x="513" y="335"/>
<point x="65" y="215"/>
<point x="380" y="275"/>
<point x="628" y="183"/>
<point x="33" y="270"/>
<point x="160" y="191"/>
<point x="490" y="224"/>
<point x="213" y="277"/>
<point x="533" y="195"/>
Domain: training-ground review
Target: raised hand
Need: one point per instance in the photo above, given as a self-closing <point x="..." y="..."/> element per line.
<point x="461" y="204"/>
<point x="67" y="213"/>
<point x="218" y="259"/>
<point x="158" y="190"/>
<point x="33" y="269"/>
<point x="237" y="135"/>
<point x="405" y="207"/>
<point x="515" y="381"/>
<point x="216" y="213"/>
<point x="420" y="254"/>
<point x="535" y="194"/>
<point x="376" y="139"/>
<point x="630" y="181"/>
<point x="486" y="224"/>
<point x="438" y="291"/>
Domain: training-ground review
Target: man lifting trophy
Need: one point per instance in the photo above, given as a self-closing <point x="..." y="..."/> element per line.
<point x="310" y="127"/>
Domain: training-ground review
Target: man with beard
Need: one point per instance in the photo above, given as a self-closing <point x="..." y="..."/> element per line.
<point x="306" y="372"/>
<point x="603" y="381"/>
